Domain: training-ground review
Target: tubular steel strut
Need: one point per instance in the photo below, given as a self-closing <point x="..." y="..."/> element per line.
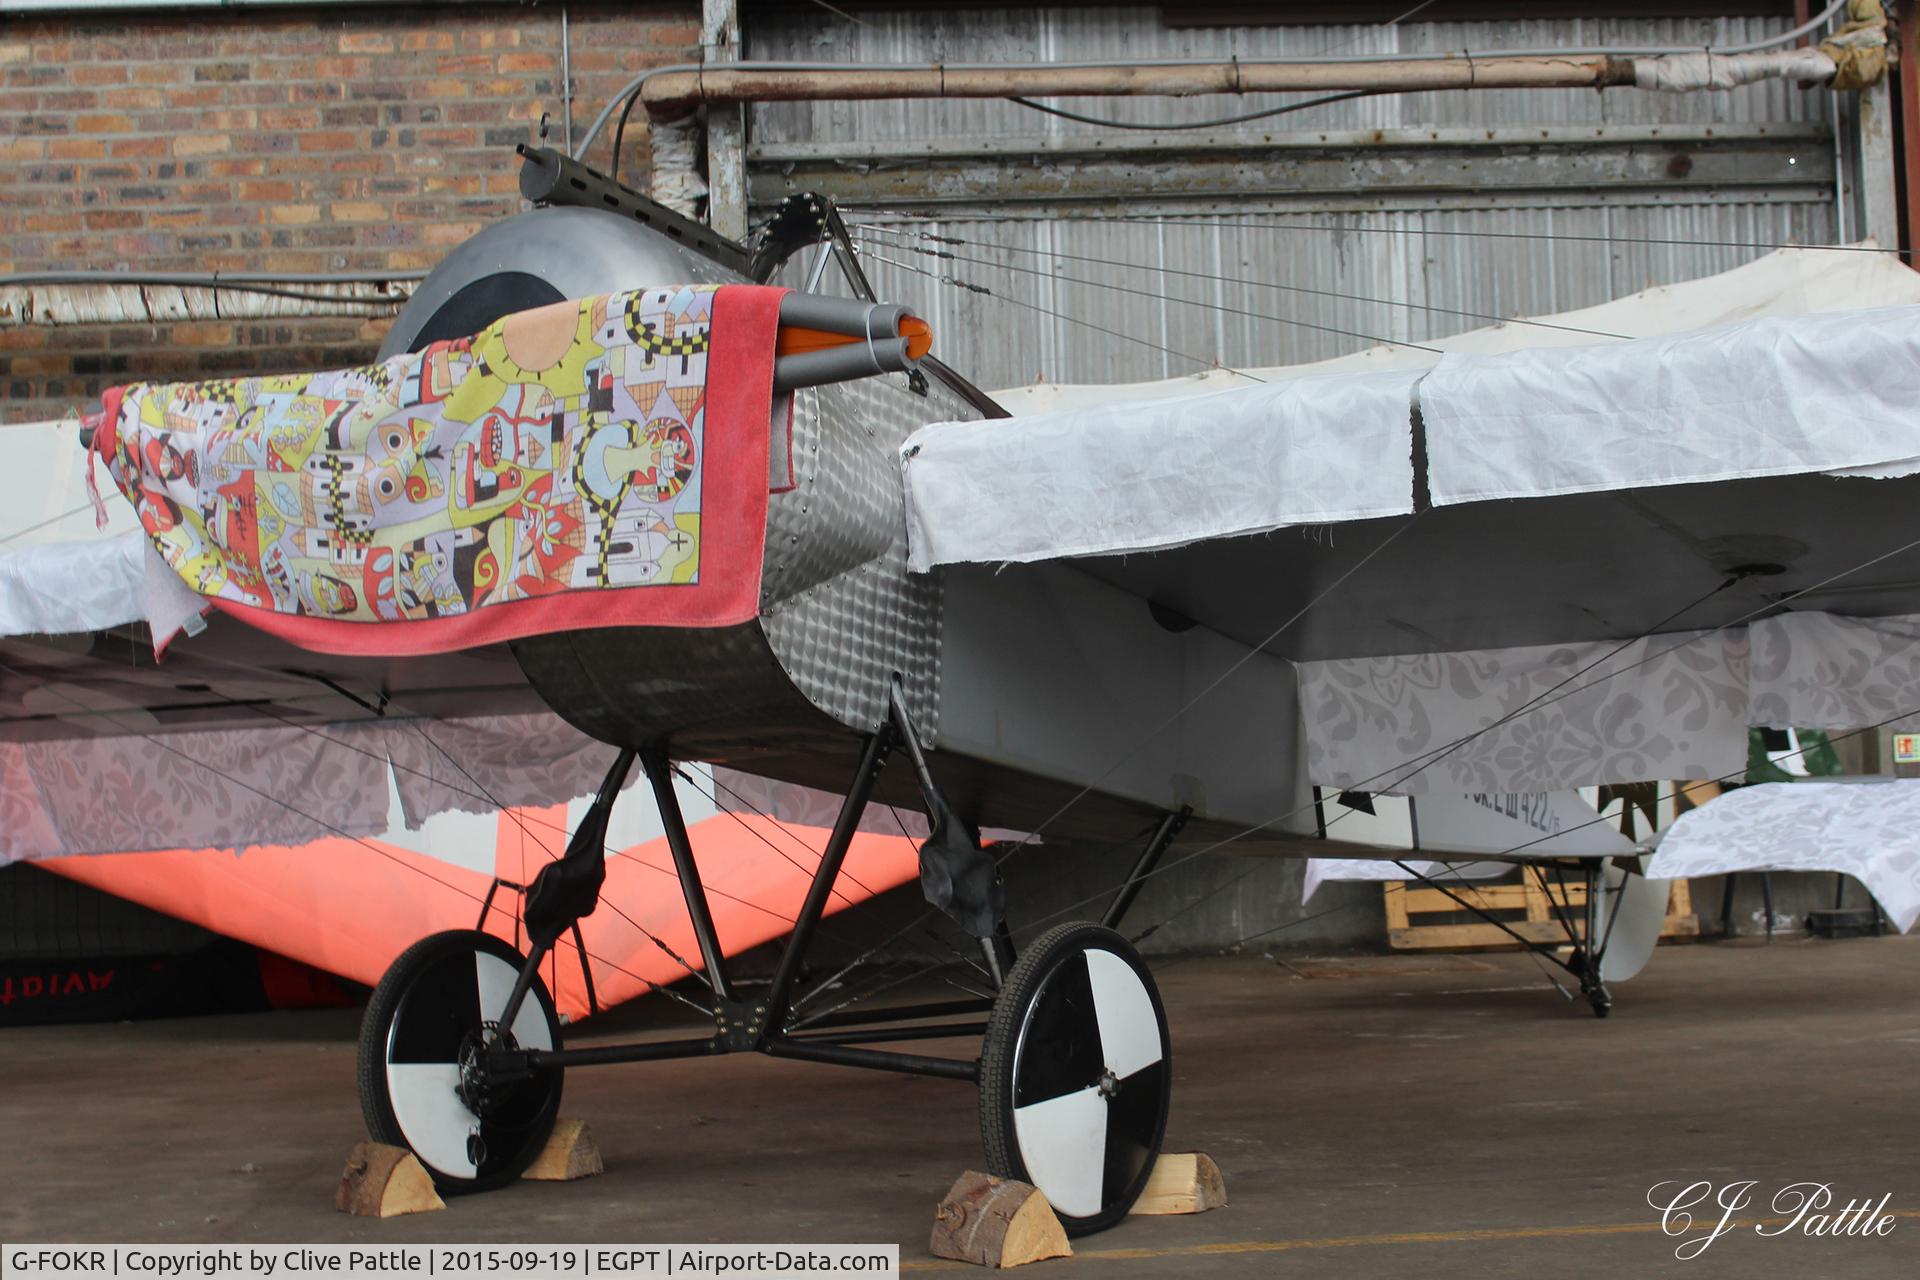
<point x="763" y="1024"/>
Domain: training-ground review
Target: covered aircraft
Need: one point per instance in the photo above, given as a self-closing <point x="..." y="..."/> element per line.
<point x="703" y="518"/>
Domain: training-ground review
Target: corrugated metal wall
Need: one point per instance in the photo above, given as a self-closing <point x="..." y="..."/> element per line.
<point x="1294" y="238"/>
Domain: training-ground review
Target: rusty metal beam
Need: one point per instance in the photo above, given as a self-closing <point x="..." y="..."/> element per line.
<point x="1382" y="169"/>
<point x="676" y="91"/>
<point x="1909" y="88"/>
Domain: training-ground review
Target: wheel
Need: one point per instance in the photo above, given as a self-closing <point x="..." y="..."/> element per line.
<point x="1076" y="1074"/>
<point x="423" y="1078"/>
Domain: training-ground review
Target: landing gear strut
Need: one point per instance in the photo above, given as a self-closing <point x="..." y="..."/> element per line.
<point x="461" y="1057"/>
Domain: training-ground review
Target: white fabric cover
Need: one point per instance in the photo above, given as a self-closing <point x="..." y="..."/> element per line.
<point x="71" y="588"/>
<point x="1161" y="473"/>
<point x="1868" y="830"/>
<point x="1669" y="706"/>
<point x="1828" y="393"/>
<point x="68" y="587"/>
<point x="1784" y="282"/>
<point x="1782" y="395"/>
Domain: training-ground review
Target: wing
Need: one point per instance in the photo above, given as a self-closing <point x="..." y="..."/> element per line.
<point x="1543" y="569"/>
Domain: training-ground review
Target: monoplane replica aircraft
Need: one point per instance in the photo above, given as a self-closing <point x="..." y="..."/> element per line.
<point x="604" y="467"/>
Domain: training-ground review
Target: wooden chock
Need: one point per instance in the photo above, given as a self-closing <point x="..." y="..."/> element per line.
<point x="996" y="1222"/>
<point x="1183" y="1182"/>
<point x="570" y="1153"/>
<point x="384" y="1182"/>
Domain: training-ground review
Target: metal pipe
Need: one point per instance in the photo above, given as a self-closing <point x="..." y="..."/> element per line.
<point x="522" y="983"/>
<point x="566" y="83"/>
<point x="640" y="81"/>
<point x="913" y="1064"/>
<point x="715" y="960"/>
<point x="646" y="1051"/>
<point x="853" y="317"/>
<point x="872" y="759"/>
<point x="903" y="725"/>
<point x="1909" y="29"/>
<point x="901" y="1013"/>
<point x="888" y="1035"/>
<point x="677" y="91"/>
<point x="1156" y="846"/>
<point x="840" y="364"/>
<point x="206" y="279"/>
<point x="55" y="306"/>
<point x="89" y="8"/>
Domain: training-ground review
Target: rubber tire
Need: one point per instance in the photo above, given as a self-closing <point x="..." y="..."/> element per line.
<point x="997" y="1052"/>
<point x="376" y="1025"/>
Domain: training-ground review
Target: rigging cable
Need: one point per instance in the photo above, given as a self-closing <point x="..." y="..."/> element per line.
<point x="1497" y="318"/>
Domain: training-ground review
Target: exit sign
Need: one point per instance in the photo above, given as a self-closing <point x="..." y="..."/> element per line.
<point x="1906" y="748"/>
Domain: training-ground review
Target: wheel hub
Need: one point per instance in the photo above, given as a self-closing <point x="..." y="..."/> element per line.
<point x="478" y="1087"/>
<point x="1109" y="1085"/>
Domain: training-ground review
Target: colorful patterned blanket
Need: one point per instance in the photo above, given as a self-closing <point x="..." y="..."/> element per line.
<point x="593" y="463"/>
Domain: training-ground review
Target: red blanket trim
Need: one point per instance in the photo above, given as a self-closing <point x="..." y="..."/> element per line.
<point x="733" y="520"/>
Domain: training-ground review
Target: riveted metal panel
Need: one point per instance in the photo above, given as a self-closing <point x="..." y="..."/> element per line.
<point x="841" y="638"/>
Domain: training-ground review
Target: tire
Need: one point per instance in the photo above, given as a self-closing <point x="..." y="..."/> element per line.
<point x="1076" y="1075"/>
<point x="428" y="1011"/>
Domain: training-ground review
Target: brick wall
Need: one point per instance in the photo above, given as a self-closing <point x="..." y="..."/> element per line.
<point x="362" y="139"/>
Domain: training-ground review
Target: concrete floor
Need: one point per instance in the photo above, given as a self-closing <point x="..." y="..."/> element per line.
<point x="1384" y="1117"/>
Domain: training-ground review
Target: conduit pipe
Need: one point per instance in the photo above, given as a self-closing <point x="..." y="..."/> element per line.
<point x="60" y="303"/>
<point x="676" y="89"/>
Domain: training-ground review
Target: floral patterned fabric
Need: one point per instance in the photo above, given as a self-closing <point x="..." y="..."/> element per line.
<point x="589" y="463"/>
<point x="1670" y="706"/>
<point x="196" y="789"/>
<point x="281" y="784"/>
<point x="1864" y="829"/>
<point x="1820" y="669"/>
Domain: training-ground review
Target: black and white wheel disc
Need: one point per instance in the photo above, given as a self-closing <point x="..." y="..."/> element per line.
<point x="421" y="1043"/>
<point x="1076" y="1074"/>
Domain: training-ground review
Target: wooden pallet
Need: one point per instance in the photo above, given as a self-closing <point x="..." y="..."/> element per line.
<point x="1528" y="908"/>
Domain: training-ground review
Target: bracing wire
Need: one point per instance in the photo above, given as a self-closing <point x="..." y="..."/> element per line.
<point x="481" y="792"/>
<point x="1556" y="693"/>
<point x="940" y="278"/>
<point x="875" y="949"/>
<point x="1495" y="317"/>
<point x="522" y="819"/>
<point x="1515" y="850"/>
<point x="158" y="741"/>
<point x="514" y="816"/>
<point x="1161" y="296"/>
<point x="1176" y="221"/>
<point x="818" y="855"/>
<point x="1433" y="757"/>
<point x="50" y="520"/>
<point x="1539" y="701"/>
<point x="1178" y="712"/>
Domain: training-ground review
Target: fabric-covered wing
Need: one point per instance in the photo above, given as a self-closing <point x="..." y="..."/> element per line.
<point x="1526" y="571"/>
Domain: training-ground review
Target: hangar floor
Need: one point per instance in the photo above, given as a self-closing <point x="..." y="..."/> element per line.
<point x="1382" y="1117"/>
